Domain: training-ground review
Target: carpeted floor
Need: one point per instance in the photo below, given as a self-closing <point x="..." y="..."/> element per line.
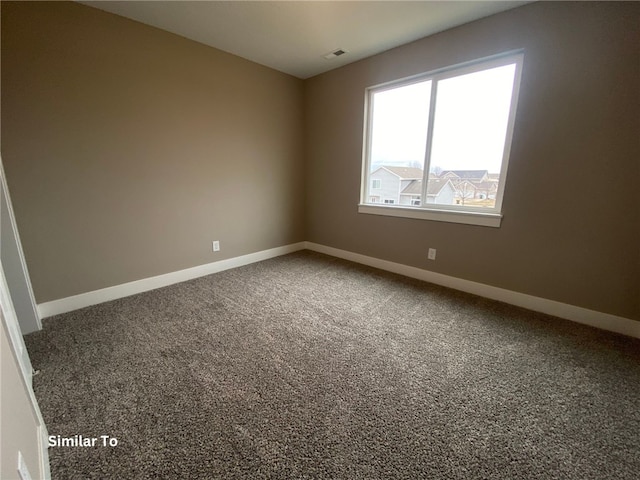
<point x="306" y="366"/>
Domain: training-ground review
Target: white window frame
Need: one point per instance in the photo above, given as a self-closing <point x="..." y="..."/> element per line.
<point x="375" y="181"/>
<point x="483" y="216"/>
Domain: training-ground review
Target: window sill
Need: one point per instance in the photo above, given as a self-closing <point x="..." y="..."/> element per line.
<point x="482" y="219"/>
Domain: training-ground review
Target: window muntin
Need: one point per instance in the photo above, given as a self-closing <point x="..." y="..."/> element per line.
<point x="452" y="126"/>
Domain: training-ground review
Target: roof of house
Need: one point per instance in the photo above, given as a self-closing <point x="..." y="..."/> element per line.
<point x="405" y="173"/>
<point x="433" y="187"/>
<point x="414" y="188"/>
<point x="466" y="174"/>
<point x="464" y="186"/>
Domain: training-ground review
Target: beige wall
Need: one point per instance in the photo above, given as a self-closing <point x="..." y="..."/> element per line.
<point x="128" y="150"/>
<point x="571" y="206"/>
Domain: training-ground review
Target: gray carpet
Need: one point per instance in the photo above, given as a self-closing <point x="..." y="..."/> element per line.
<point x="306" y="366"/>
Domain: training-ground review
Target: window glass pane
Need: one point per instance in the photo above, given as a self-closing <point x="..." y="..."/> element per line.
<point x="400" y="117"/>
<point x="471" y="116"/>
<point x="399" y="129"/>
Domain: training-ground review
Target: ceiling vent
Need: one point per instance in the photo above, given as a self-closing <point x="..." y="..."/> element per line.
<point x="335" y="53"/>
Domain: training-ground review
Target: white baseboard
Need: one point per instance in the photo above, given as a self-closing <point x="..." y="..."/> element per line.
<point x="601" y="320"/>
<point x="82" y="300"/>
<point x="593" y="318"/>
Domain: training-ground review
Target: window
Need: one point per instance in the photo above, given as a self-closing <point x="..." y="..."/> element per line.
<point x="444" y="139"/>
<point x="389" y="201"/>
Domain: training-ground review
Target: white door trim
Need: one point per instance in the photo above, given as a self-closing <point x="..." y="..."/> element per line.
<point x="19" y="280"/>
<point x="19" y="352"/>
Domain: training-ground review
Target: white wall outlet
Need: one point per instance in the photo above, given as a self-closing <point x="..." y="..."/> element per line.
<point x="216" y="245"/>
<point x="23" y="472"/>
<point x="432" y="254"/>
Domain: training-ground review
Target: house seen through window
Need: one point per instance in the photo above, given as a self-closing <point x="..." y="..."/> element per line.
<point x="440" y="142"/>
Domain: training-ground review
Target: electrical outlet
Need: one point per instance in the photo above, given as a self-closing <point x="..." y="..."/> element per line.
<point x="22" y="468"/>
<point x="432" y="254"/>
<point x="216" y="245"/>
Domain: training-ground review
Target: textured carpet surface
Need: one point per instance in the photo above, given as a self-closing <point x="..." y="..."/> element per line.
<point x="306" y="366"/>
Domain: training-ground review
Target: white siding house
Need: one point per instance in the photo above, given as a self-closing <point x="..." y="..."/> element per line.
<point x="387" y="183"/>
<point x="403" y="186"/>
<point x="441" y="191"/>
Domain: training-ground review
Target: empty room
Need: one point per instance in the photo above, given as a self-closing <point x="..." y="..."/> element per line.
<point x="320" y="240"/>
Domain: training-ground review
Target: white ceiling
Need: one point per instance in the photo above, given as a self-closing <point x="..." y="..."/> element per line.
<point x="294" y="36"/>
